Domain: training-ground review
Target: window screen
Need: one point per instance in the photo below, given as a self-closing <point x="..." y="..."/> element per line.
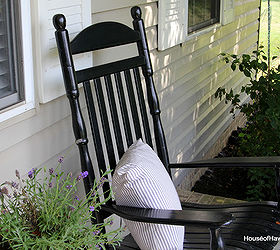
<point x="11" y="80"/>
<point x="202" y="13"/>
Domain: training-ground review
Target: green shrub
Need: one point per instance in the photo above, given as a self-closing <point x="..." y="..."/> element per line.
<point x="261" y="135"/>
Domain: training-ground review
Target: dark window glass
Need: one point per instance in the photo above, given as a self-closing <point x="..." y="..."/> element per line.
<point x="202" y="13"/>
<point x="11" y="80"/>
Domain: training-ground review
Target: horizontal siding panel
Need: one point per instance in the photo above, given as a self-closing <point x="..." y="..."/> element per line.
<point x="149" y="15"/>
<point x="109" y="5"/>
<point x="244" y="7"/>
<point x="54" y="4"/>
<point x="73" y="15"/>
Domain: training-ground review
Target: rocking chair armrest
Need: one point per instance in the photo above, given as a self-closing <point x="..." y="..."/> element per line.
<point x="190" y="216"/>
<point x="264" y="162"/>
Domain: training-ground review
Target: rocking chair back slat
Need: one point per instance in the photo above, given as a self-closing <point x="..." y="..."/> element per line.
<point x="105" y="123"/>
<point x="94" y="125"/>
<point x="114" y="114"/>
<point x="133" y="106"/>
<point x="123" y="108"/>
<point x="142" y="106"/>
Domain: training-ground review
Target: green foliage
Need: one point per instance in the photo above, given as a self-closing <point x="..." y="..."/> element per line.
<point x="47" y="213"/>
<point x="261" y="135"/>
<point x="263" y="184"/>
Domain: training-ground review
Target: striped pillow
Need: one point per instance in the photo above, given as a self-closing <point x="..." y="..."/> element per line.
<point x="140" y="180"/>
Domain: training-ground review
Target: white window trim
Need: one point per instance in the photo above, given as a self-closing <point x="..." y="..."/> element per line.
<point x="202" y="31"/>
<point x="29" y="102"/>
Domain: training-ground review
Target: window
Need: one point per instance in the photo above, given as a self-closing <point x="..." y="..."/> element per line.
<point x="202" y="13"/>
<point x="11" y="75"/>
<point x="16" y="59"/>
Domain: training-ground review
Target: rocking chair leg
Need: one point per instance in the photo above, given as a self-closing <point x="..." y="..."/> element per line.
<point x="216" y="241"/>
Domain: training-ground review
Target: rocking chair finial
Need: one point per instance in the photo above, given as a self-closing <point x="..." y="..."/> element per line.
<point x="59" y="22"/>
<point x="136" y="12"/>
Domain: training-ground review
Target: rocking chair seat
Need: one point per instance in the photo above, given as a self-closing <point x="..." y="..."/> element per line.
<point x="253" y="228"/>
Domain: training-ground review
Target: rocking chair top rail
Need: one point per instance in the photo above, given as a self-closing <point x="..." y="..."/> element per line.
<point x="107" y="86"/>
<point x="115" y="34"/>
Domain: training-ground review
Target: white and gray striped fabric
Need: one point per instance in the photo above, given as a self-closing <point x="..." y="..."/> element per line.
<point x="140" y="180"/>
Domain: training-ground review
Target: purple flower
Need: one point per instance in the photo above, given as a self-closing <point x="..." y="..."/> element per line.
<point x="60" y="160"/>
<point x="84" y="174"/>
<point x="17" y="174"/>
<point x="71" y="208"/>
<point x="4" y="190"/>
<point x="50" y="185"/>
<point x="68" y="186"/>
<point x="111" y="223"/>
<point x="91" y="208"/>
<point x="76" y="198"/>
<point x="31" y="173"/>
<point x="15" y="185"/>
<point x="101" y="182"/>
<point x="51" y="171"/>
<point x="96" y="232"/>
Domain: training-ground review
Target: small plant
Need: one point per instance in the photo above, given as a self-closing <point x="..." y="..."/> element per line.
<point x="47" y="213"/>
<point x="261" y="135"/>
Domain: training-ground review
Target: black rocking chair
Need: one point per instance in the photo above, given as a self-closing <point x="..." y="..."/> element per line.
<point x="120" y="81"/>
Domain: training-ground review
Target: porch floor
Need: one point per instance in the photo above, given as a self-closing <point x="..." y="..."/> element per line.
<point x="193" y="197"/>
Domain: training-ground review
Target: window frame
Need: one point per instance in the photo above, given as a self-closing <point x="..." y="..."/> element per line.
<point x="205" y="24"/>
<point x="27" y="65"/>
